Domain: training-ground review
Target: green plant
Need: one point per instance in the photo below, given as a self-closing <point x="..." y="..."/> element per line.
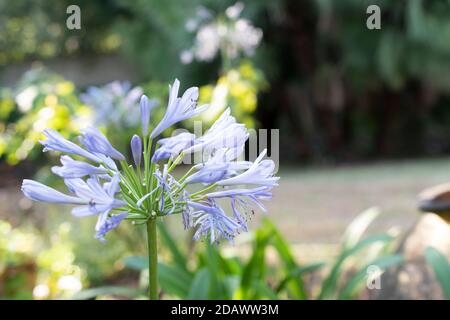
<point x="352" y="245"/>
<point x="40" y="100"/>
<point x="441" y="268"/>
<point x="35" y="266"/>
<point x="222" y="274"/>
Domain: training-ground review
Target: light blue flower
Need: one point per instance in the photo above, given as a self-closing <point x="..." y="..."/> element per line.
<point x="208" y="174"/>
<point x="136" y="149"/>
<point x="146" y="108"/>
<point x="217" y="167"/>
<point x="37" y="191"/>
<point x="166" y="183"/>
<point x="260" y="173"/>
<point x="259" y="192"/>
<point x="96" y="142"/>
<point x="100" y="198"/>
<point x="57" y="142"/>
<point x="171" y="147"/>
<point x="76" y="169"/>
<point x="224" y="133"/>
<point x="106" y="224"/>
<point x="211" y="221"/>
<point x="242" y="200"/>
<point x="91" y="198"/>
<point x="179" y="109"/>
<point x="114" y="104"/>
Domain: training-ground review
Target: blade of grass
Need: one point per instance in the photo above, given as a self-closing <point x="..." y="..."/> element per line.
<point x="441" y="268"/>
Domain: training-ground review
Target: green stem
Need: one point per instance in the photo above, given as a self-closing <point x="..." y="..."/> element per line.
<point x="152" y="259"/>
<point x="211" y="186"/>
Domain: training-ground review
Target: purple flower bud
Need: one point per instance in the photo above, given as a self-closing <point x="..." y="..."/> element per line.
<point x="96" y="142"/>
<point x="136" y="149"/>
<point x="145" y="114"/>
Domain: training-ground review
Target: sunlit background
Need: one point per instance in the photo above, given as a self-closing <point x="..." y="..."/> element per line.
<point x="364" y="126"/>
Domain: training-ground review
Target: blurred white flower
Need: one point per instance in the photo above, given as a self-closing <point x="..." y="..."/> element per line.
<point x="235" y="10"/>
<point x="69" y="283"/>
<point x="233" y="36"/>
<point x="41" y="291"/>
<point x="186" y="56"/>
<point x="25" y="98"/>
<point x="207" y="42"/>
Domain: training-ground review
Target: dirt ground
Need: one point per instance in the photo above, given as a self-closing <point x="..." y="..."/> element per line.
<point x="315" y="205"/>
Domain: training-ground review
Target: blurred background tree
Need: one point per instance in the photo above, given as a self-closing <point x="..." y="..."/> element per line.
<point x="338" y="91"/>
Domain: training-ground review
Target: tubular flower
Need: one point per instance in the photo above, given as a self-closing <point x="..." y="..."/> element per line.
<point x="179" y="109"/>
<point x="76" y="169"/>
<point x="224" y="133"/>
<point x="146" y="108"/>
<point x="57" y="142"/>
<point x="96" y="142"/>
<point x="260" y="172"/>
<point x="148" y="190"/>
<point x="171" y="147"/>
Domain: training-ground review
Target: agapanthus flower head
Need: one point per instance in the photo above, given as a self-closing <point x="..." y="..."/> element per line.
<point x="114" y="104"/>
<point x="148" y="190"/>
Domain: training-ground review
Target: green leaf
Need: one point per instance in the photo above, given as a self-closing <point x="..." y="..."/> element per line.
<point x="358" y="226"/>
<point x="298" y="272"/>
<point x="295" y="284"/>
<point x="349" y="291"/>
<point x="441" y="268"/>
<point x="265" y="291"/>
<point x="200" y="285"/>
<point x="109" y="290"/>
<point x="178" y="257"/>
<point x="329" y="285"/>
<point x="136" y="262"/>
<point x="255" y="267"/>
<point x="174" y="280"/>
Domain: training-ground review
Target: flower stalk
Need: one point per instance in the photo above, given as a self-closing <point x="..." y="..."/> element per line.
<point x="152" y="259"/>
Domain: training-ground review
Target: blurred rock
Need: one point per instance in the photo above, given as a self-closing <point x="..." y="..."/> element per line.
<point x="415" y="279"/>
<point x="437" y="200"/>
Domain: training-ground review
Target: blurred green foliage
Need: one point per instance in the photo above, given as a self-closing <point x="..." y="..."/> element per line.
<point x="441" y="268"/>
<point x="37" y="29"/>
<point x="338" y="90"/>
<point x="270" y="271"/>
<point x="33" y="265"/>
<point x="40" y="100"/>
